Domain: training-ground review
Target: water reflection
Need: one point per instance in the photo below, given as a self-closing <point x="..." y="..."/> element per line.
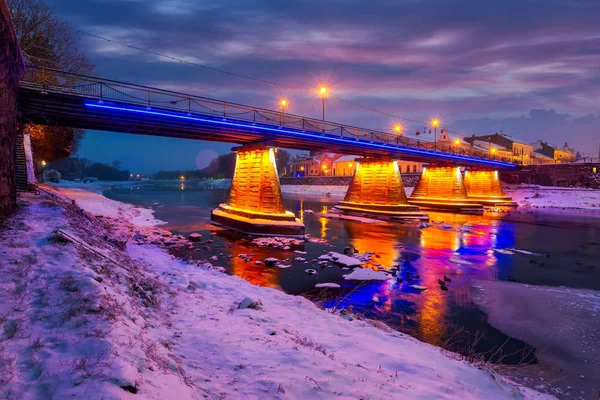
<point x="421" y="255"/>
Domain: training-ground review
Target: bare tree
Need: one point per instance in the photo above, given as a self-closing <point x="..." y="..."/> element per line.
<point x="46" y="41"/>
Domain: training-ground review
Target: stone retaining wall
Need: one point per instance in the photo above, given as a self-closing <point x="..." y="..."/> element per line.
<point x="565" y="175"/>
<point x="12" y="69"/>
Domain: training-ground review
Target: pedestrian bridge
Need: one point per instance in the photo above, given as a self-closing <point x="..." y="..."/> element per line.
<point x="78" y="101"/>
<point x="255" y="204"/>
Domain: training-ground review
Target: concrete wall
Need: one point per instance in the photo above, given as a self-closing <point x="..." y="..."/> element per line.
<point x="566" y="175"/>
<point x="12" y="69"/>
<point x="409" y="180"/>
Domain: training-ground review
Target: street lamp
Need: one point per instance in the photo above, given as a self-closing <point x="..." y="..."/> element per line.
<point x="284" y="104"/>
<point x="43" y="168"/>
<point x="435" y="124"/>
<point x="398" y="130"/>
<point x="323" y="93"/>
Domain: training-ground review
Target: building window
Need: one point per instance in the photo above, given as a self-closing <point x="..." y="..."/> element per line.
<point x="594" y="170"/>
<point x="408" y="168"/>
<point x="415" y="168"/>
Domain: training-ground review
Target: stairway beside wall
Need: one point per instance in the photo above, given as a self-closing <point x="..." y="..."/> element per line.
<point x="20" y="164"/>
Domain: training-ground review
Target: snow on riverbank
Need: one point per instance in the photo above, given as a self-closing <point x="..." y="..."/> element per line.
<point x="527" y="196"/>
<point x="96" y="204"/>
<point x="562" y="323"/>
<point x="333" y="191"/>
<point x="535" y="196"/>
<point x="101" y="319"/>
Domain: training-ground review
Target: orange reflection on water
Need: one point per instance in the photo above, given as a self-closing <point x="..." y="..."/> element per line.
<point x="260" y="274"/>
<point x="378" y="238"/>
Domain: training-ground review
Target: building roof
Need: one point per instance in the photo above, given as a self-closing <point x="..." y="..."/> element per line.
<point x="347" y="158"/>
<point x="540" y="155"/>
<point x="482" y="144"/>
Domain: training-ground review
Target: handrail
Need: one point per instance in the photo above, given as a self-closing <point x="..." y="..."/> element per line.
<point x="44" y="79"/>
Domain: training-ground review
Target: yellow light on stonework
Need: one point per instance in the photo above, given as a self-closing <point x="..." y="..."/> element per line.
<point x="493" y="150"/>
<point x="457" y="142"/>
<point x="43" y="163"/>
<point x="323" y="91"/>
<point x="435" y="123"/>
<point x="302" y="168"/>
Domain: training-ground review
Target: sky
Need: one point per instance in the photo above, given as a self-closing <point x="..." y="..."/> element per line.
<point x="529" y="68"/>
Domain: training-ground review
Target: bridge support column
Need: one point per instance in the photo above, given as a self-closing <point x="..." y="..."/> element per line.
<point x="484" y="186"/>
<point x="376" y="190"/>
<point x="442" y="188"/>
<point x="255" y="204"/>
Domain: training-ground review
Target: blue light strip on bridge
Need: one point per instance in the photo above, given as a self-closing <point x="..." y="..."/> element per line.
<point x="305" y="134"/>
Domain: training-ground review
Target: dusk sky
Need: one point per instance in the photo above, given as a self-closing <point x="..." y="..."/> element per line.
<point x="529" y="68"/>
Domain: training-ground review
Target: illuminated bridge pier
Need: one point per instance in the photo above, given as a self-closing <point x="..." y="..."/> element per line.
<point x="255" y="204"/>
<point x="442" y="188"/>
<point x="484" y="187"/>
<point x="376" y="190"/>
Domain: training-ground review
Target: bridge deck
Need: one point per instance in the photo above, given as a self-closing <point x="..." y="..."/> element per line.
<point x="92" y="103"/>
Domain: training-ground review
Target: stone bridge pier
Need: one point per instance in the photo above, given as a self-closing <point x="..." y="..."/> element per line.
<point x="483" y="185"/>
<point x="376" y="190"/>
<point x="442" y="188"/>
<point x="255" y="204"/>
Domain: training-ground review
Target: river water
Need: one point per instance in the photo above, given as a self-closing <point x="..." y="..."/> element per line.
<point x="567" y="247"/>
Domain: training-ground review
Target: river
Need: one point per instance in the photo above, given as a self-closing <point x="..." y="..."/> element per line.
<point x="567" y="247"/>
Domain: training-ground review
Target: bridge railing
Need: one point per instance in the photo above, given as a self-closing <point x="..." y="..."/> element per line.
<point x="90" y="87"/>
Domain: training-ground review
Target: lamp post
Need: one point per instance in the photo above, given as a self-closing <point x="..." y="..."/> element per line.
<point x="456" y="143"/>
<point x="43" y="168"/>
<point x="398" y="130"/>
<point x="323" y="93"/>
<point x="284" y="104"/>
<point x="435" y="124"/>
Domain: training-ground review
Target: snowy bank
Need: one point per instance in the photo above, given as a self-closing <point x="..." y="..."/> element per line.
<point x="535" y="196"/>
<point x="336" y="192"/>
<point x="96" y="204"/>
<point x="562" y="323"/>
<point x="96" y="318"/>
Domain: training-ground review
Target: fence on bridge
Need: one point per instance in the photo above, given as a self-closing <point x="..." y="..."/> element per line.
<point x="89" y="87"/>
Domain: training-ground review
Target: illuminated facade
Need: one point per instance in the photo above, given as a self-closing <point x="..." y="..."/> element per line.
<point x="377" y="189"/>
<point x="255" y="204"/>
<point x="332" y="164"/>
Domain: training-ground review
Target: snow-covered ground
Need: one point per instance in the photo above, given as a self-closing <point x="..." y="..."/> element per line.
<point x="333" y="191"/>
<point x="535" y="196"/>
<point x="96" y="204"/>
<point x="99" y="315"/>
<point x="527" y="196"/>
<point x="562" y="323"/>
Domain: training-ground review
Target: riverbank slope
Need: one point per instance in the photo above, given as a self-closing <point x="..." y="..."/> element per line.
<point x="92" y="310"/>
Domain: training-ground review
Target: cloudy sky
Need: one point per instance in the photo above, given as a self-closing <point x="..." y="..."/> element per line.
<point x="529" y="68"/>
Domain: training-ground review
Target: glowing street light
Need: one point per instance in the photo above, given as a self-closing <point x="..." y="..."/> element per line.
<point x="323" y="93"/>
<point x="284" y="104"/>
<point x="435" y="122"/>
<point x="398" y="131"/>
<point x="182" y="178"/>
<point x="43" y="163"/>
